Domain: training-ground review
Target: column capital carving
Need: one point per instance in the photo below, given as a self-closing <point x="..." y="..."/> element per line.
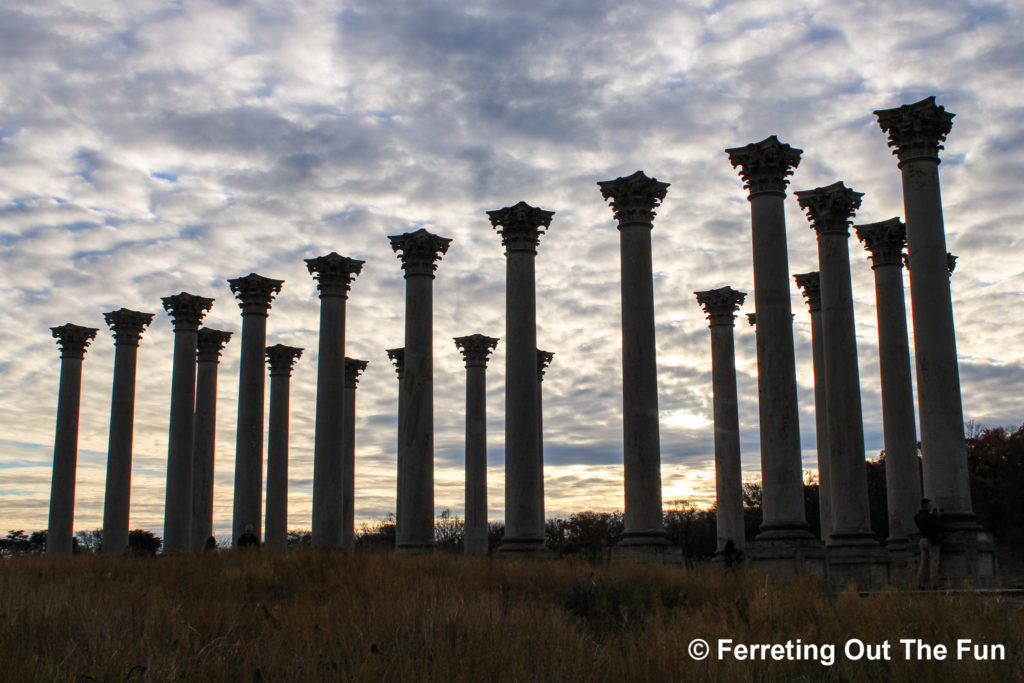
<point x="476" y="349"/>
<point x="187" y="310"/>
<point x="951" y="263"/>
<point x="520" y="226"/>
<point x="720" y="305"/>
<point x="73" y="339"/>
<point x="916" y="130"/>
<point x="764" y="166"/>
<point x="634" y="198"/>
<point x="334" y="273"/>
<point x="397" y="357"/>
<point x="810" y="285"/>
<point x="752" y="319"/>
<point x="829" y="209"/>
<point x="354" y="368"/>
<point x="420" y="251"/>
<point x="127" y="325"/>
<point x="210" y="343"/>
<point x="884" y="240"/>
<point x="543" y="361"/>
<point x="255" y="292"/>
<point x="281" y="358"/>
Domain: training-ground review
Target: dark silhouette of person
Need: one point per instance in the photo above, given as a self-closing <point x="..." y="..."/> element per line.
<point x="730" y="555"/>
<point x="211" y="544"/>
<point x="929" y="522"/>
<point x="249" y="539"/>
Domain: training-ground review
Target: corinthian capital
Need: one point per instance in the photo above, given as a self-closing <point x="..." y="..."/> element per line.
<point x="916" y="130"/>
<point x="543" y="361"/>
<point x="520" y="226"/>
<point x="829" y="209"/>
<point x="73" y="339"/>
<point x="810" y="285"/>
<point x="397" y="357"/>
<point x="354" y="368"/>
<point x="764" y="166"/>
<point x="255" y="292"/>
<point x="187" y="310"/>
<point x="884" y="240"/>
<point x="209" y="344"/>
<point x="476" y="349"/>
<point x="281" y="358"/>
<point x="634" y="198"/>
<point x="420" y="251"/>
<point x="127" y="325"/>
<point x="334" y="273"/>
<point x="720" y="305"/>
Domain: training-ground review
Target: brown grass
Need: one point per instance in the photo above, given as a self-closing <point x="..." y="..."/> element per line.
<point x="309" y="616"/>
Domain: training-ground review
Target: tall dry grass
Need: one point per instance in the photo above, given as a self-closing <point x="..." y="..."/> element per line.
<point x="309" y="616"/>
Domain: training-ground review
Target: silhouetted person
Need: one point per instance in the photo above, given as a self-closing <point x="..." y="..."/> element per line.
<point x="211" y="543"/>
<point x="730" y="555"/>
<point x="929" y="522"/>
<point x="249" y="539"/>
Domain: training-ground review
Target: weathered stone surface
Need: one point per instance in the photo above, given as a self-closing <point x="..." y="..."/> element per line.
<point x="281" y="359"/>
<point x="353" y="369"/>
<point x="209" y="345"/>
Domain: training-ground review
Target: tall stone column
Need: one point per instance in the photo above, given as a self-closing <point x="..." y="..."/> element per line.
<point x="127" y="327"/>
<point x="397" y="357"/>
<point x="787" y="545"/>
<point x="72" y="340"/>
<point x="334" y="275"/>
<point x="543" y="361"/>
<point x="520" y="227"/>
<point x="420" y="251"/>
<point x="634" y="199"/>
<point x="209" y="344"/>
<point x="188" y="311"/>
<point x="281" y="358"/>
<point x="353" y="368"/>
<point x="851" y="548"/>
<point x="810" y="284"/>
<point x="254" y="293"/>
<point x="720" y="306"/>
<point x="476" y="349"/>
<point x="885" y="242"/>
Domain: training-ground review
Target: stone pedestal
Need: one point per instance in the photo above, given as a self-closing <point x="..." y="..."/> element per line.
<point x="810" y="284"/>
<point x="353" y="368"/>
<point x="764" y="167"/>
<point x="633" y="200"/>
<point x="254" y="293"/>
<point x="720" y="306"/>
<point x="72" y="340"/>
<point x="885" y="242"/>
<point x="397" y="357"/>
<point x="209" y="344"/>
<point x="420" y="251"/>
<point x="520" y="227"/>
<point x="127" y="327"/>
<point x="476" y="349"/>
<point x="916" y="131"/>
<point x="188" y="311"/>
<point x="334" y="274"/>
<point x="281" y="358"/>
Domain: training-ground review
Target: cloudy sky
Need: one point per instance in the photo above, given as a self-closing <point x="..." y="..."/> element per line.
<point x="152" y="147"/>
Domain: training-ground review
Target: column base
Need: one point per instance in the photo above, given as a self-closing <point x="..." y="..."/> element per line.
<point x="785" y="532"/>
<point x="415" y="548"/>
<point x="967" y="557"/>
<point x="523" y="549"/>
<point x="788" y="557"/>
<point x="901" y="557"/>
<point x="858" y="559"/>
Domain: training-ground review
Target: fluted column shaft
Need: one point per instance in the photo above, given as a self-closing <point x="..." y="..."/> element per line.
<point x="476" y="349"/>
<point x="208" y="349"/>
<point x="353" y="368"/>
<point x="397" y="357"/>
<point x="280" y="358"/>
<point x="543" y="360"/>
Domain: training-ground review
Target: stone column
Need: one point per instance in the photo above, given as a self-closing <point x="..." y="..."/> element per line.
<point x="209" y="344"/>
<point x="334" y="275"/>
<point x="476" y="349"/>
<point x="353" y="368"/>
<point x="634" y="199"/>
<point x="254" y="293"/>
<point x="851" y="546"/>
<point x="787" y="544"/>
<point x="720" y="306"/>
<point x="72" y="340"/>
<point x="810" y="284"/>
<point x="885" y="242"/>
<point x="127" y="327"/>
<point x="520" y="227"/>
<point x="188" y="311"/>
<point x="281" y="359"/>
<point x="543" y="361"/>
<point x="397" y="357"/>
<point x="420" y="251"/>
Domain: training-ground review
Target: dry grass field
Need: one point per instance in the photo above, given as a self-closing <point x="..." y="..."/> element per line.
<point x="312" y="616"/>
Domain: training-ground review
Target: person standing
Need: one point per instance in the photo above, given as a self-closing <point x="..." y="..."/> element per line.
<point x="929" y="522"/>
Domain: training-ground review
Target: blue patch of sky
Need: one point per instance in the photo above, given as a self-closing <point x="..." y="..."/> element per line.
<point x="165" y="175"/>
<point x="89" y="162"/>
<point x="264" y="91"/>
<point x="350" y="19"/>
<point x="18" y="205"/>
